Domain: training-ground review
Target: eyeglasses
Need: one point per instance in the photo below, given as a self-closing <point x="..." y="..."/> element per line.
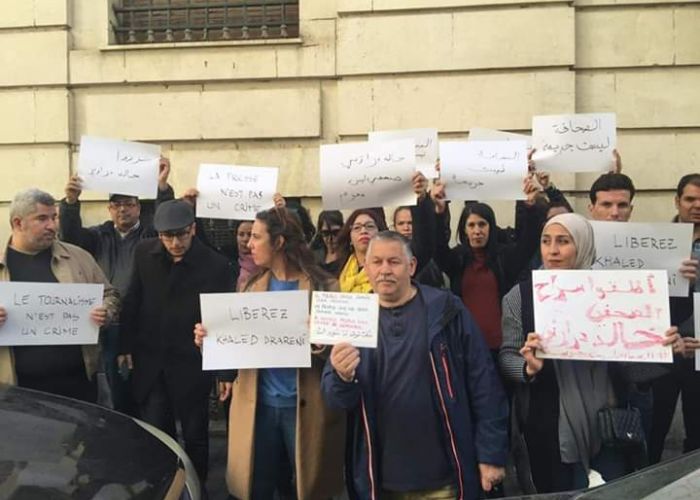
<point x="180" y="235"/>
<point x="367" y="226"/>
<point x="330" y="233"/>
<point x="122" y="204"/>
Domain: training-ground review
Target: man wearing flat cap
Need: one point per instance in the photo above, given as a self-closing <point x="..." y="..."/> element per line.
<point x="112" y="244"/>
<point x="158" y="316"/>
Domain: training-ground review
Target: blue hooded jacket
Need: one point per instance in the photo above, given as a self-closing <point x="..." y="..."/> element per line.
<point x="466" y="390"/>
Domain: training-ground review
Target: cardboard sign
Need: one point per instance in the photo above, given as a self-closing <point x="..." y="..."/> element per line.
<point x="574" y="143"/>
<point x="119" y="167"/>
<point x="637" y="245"/>
<point x="256" y="330"/>
<point x="483" y="170"/>
<point x="602" y="315"/>
<point x="365" y="175"/>
<point x="233" y="192"/>
<point x="426" y="142"/>
<point x="49" y="313"/>
<point x="344" y="317"/>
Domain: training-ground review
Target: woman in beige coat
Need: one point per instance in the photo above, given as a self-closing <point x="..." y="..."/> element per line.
<point x="278" y="415"/>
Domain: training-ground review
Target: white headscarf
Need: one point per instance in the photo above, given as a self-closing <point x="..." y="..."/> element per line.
<point x="582" y="234"/>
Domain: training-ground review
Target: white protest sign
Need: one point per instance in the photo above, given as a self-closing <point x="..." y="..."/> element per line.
<point x="235" y="192"/>
<point x="344" y="317"/>
<point x="120" y="167"/>
<point x="365" y="175"/>
<point x="483" y="170"/>
<point x="256" y="330"/>
<point x="426" y="141"/>
<point x="487" y="134"/>
<point x="602" y="315"/>
<point x="696" y="322"/>
<point x="49" y="313"/>
<point x="574" y="143"/>
<point x="638" y="245"/>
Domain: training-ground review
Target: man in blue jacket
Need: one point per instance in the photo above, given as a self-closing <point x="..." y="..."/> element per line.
<point x="429" y="415"/>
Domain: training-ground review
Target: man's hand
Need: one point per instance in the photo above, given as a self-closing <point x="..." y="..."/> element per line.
<point x="420" y="185"/>
<point x="616" y="167"/>
<point x="225" y="390"/>
<point x="3" y="315"/>
<point x="199" y="333"/>
<point x="344" y="359"/>
<point x="163" y="173"/>
<point x="543" y="179"/>
<point x="279" y="200"/>
<point x="684" y="346"/>
<point x="533" y="363"/>
<point x="438" y="196"/>
<point x="491" y="475"/>
<point x="99" y="316"/>
<point x="689" y="269"/>
<point x="190" y="196"/>
<point x="73" y="189"/>
<point x="125" y="359"/>
<point x="532" y="190"/>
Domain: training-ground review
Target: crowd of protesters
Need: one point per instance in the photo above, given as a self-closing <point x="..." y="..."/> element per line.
<point x="452" y="391"/>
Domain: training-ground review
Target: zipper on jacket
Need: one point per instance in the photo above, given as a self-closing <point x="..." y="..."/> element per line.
<point x="370" y="458"/>
<point x="453" y="444"/>
<point x="446" y="369"/>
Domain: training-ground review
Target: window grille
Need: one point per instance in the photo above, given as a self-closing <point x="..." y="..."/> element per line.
<point x="163" y="21"/>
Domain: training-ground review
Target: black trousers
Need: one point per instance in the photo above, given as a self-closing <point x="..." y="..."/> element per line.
<point x="683" y="380"/>
<point x="161" y="409"/>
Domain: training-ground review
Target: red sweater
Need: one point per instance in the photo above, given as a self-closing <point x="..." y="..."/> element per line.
<point x="480" y="295"/>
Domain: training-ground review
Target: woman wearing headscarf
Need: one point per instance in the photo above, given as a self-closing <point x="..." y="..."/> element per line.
<point x="278" y="419"/>
<point x="557" y="401"/>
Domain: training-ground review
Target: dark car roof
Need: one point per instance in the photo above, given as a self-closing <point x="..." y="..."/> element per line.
<point x="60" y="448"/>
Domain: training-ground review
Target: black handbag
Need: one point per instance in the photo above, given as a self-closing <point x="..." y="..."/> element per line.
<point x="621" y="427"/>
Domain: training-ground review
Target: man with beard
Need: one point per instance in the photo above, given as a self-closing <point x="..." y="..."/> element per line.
<point x="34" y="255"/>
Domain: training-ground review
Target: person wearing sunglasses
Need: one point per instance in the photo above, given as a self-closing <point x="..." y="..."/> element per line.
<point x="325" y="243"/>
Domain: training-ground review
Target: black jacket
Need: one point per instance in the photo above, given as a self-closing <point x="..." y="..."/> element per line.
<point x="159" y="313"/>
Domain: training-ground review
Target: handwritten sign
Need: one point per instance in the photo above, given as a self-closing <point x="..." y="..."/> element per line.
<point x="233" y="192"/>
<point x="121" y="167"/>
<point x="602" y="315"/>
<point x="574" y="143"/>
<point x="483" y="170"/>
<point x="256" y="330"/>
<point x="344" y="317"/>
<point x="49" y="313"/>
<point x="426" y="141"/>
<point x="636" y="245"/>
<point x="696" y="322"/>
<point x="487" y="134"/>
<point x="365" y="175"/>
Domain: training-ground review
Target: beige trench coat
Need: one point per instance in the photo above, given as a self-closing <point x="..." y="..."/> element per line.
<point x="320" y="436"/>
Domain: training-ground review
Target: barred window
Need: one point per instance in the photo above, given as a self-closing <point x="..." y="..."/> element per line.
<point x="158" y="21"/>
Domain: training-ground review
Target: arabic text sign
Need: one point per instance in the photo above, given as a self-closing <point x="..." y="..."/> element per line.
<point x="636" y="245"/>
<point x="256" y="330"/>
<point x="49" y="313"/>
<point x="602" y="315"/>
<point x="483" y="170"/>
<point x="363" y="175"/>
<point x="574" y="143"/>
<point x="487" y="134"/>
<point x="344" y="317"/>
<point x="426" y="141"/>
<point x="233" y="192"/>
<point x="122" y="167"/>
